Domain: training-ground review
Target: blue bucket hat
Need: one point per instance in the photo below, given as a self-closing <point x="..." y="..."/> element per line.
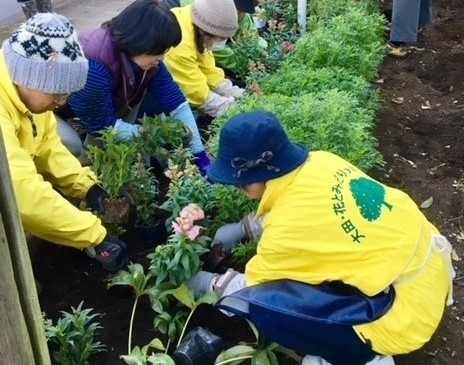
<point x="253" y="147"/>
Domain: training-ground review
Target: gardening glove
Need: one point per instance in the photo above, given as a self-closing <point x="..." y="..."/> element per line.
<point x="94" y="197"/>
<point x="126" y="130"/>
<point x="111" y="253"/>
<point x="202" y="161"/>
<point x="226" y="88"/>
<point x="216" y="104"/>
<point x="230" y="234"/>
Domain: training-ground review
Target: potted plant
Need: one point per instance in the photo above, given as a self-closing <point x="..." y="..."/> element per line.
<point x="113" y="161"/>
<point x="149" y="224"/>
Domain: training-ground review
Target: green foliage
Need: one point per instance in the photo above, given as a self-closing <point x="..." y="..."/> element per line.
<point x="289" y="82"/>
<point x="160" y="134"/>
<point x="352" y="41"/>
<point x="143" y="190"/>
<point x="331" y="121"/>
<point x="74" y="334"/>
<point x="112" y="161"/>
<point x="186" y="186"/>
<point x="229" y="205"/>
<point x="178" y="260"/>
<point x="243" y="252"/>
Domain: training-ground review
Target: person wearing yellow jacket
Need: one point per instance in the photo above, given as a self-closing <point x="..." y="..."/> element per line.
<point x="41" y="63"/>
<point x="204" y="24"/>
<point x="350" y="270"/>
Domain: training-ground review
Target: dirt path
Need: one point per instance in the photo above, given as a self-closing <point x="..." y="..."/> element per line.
<point x="422" y="140"/>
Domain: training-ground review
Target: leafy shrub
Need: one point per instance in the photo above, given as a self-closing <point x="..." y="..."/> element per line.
<point x="331" y="121"/>
<point x="74" y="334"/>
<point x="112" y="161"/>
<point x="352" y="41"/>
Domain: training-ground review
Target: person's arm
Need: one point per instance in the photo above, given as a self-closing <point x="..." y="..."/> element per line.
<point x="183" y="64"/>
<point x="44" y="212"/>
<point x="207" y="65"/>
<point x="94" y="105"/>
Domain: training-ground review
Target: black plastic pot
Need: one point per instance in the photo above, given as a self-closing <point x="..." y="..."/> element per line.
<point x="199" y="347"/>
<point x="152" y="236"/>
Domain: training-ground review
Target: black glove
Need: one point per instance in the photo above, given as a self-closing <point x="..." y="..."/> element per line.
<point x="95" y="197"/>
<point x="111" y="253"/>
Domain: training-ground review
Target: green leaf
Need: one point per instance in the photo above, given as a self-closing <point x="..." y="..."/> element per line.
<point x="157" y="344"/>
<point x="136" y="357"/>
<point x="234" y="352"/>
<point x="161" y="359"/>
<point x="260" y="357"/>
<point x="208" y="298"/>
<point x="184" y="295"/>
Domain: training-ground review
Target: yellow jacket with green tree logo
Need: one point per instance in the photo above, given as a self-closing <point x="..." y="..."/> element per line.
<point x="328" y="221"/>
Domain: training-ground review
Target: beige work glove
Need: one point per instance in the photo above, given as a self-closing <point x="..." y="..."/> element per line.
<point x="226" y="88"/>
<point x="216" y="104"/>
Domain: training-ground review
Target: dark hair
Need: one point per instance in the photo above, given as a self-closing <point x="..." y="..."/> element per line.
<point x="145" y="27"/>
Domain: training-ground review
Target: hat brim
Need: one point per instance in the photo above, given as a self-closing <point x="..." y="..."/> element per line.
<point x="222" y="171"/>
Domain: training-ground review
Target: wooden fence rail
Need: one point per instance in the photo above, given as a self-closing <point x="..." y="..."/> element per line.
<point x="22" y="341"/>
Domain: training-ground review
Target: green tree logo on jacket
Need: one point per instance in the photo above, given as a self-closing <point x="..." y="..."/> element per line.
<point x="369" y="196"/>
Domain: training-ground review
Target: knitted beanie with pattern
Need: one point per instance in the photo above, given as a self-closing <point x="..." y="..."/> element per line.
<point x="216" y="17"/>
<point x="44" y="54"/>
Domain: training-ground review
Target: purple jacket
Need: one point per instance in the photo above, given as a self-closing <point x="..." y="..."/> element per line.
<point x="98" y="45"/>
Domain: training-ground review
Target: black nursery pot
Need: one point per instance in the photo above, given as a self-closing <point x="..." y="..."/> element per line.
<point x="153" y="235"/>
<point x="199" y="347"/>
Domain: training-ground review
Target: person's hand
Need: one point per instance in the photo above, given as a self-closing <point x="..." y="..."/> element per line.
<point x="94" y="197"/>
<point x="216" y="104"/>
<point x="229" y="235"/>
<point x="111" y="253"/>
<point x="202" y="161"/>
<point x="227" y="89"/>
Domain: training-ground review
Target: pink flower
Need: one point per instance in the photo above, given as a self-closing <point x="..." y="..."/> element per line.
<point x="176" y="228"/>
<point x="195" y="211"/>
<point x="193" y="232"/>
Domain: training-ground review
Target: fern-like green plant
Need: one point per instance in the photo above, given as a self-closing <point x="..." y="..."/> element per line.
<point x="74" y="335"/>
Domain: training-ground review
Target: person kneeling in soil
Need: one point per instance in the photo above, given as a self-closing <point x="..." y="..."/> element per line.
<point x="205" y="24"/>
<point x="127" y="78"/>
<point x="348" y="271"/>
<point x="40" y="65"/>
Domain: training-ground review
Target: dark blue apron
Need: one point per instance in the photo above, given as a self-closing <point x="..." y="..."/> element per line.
<point x="312" y="319"/>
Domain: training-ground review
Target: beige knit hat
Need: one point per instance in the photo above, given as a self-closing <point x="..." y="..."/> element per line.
<point x="216" y="17"/>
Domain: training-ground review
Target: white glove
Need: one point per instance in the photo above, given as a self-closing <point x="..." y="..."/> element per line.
<point x="216" y="104"/>
<point x="226" y="88"/>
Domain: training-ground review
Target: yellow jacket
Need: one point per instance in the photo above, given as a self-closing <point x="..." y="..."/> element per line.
<point x="320" y="225"/>
<point x="38" y="160"/>
<point x="196" y="73"/>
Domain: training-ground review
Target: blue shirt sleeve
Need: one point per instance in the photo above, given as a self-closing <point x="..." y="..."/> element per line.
<point x="93" y="104"/>
<point x="164" y="92"/>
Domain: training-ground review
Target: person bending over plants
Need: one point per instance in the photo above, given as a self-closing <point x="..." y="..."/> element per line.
<point x="41" y="63"/>
<point x="127" y="78"/>
<point x="224" y="54"/>
<point x="204" y="24"/>
<point x="348" y="271"/>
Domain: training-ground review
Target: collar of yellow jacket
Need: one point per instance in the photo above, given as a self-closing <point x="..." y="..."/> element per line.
<point x="274" y="188"/>
<point x="9" y="88"/>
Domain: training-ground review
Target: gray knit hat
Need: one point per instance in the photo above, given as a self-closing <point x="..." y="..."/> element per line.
<point x="216" y="17"/>
<point x="43" y="54"/>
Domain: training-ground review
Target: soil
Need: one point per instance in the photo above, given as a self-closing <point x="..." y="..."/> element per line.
<point x="422" y="142"/>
